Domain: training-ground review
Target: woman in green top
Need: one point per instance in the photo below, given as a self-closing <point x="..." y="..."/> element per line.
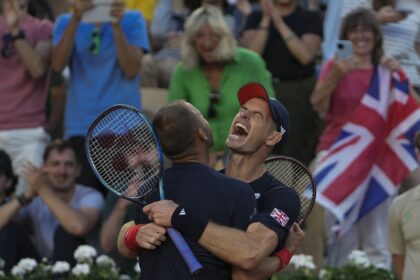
<point x="212" y="69"/>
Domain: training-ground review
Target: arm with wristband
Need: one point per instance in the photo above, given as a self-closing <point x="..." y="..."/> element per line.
<point x="134" y="237"/>
<point x="244" y="250"/>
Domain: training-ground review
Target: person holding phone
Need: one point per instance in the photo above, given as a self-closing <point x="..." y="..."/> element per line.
<point x="104" y="61"/>
<point x="340" y="88"/>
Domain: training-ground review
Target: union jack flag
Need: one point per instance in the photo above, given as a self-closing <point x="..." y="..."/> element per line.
<point x="373" y="153"/>
<point x="280" y="217"/>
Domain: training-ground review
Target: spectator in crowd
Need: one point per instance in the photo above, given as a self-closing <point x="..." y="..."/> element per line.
<point x="24" y="64"/>
<point x="15" y="240"/>
<point x="61" y="212"/>
<point x="167" y="31"/>
<point x="404" y="232"/>
<point x="104" y="62"/>
<point x="402" y="36"/>
<point x="212" y="68"/>
<point x="116" y="212"/>
<point x="289" y="38"/>
<point x="191" y="182"/>
<point x="340" y="88"/>
<point x="57" y="86"/>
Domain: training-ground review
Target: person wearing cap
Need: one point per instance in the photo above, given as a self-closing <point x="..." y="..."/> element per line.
<point x="15" y="241"/>
<point x="261" y="124"/>
<point x="193" y="183"/>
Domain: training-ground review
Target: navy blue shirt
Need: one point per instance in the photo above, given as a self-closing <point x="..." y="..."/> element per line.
<point x="278" y="206"/>
<point x="221" y="199"/>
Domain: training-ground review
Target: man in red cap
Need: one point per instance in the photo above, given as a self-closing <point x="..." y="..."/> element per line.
<point x="259" y="127"/>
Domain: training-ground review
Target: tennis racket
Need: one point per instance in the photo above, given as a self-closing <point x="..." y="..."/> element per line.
<point x="126" y="156"/>
<point x="295" y="175"/>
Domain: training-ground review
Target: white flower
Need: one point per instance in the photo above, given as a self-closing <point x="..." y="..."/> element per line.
<point x="18" y="271"/>
<point x="2" y="263"/>
<point x="84" y="253"/>
<point x="24" y="266"/>
<point x="60" y="267"/>
<point x="81" y="269"/>
<point x="303" y="261"/>
<point x="104" y="260"/>
<point x="124" y="277"/>
<point x="324" y="274"/>
<point x="2" y="273"/>
<point x="359" y="258"/>
<point x="137" y="268"/>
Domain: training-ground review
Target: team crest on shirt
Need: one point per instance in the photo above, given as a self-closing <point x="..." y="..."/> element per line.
<point x="280" y="217"/>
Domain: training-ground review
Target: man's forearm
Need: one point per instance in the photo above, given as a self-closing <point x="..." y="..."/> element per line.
<point x="62" y="52"/>
<point x="8" y="211"/>
<point x="122" y="248"/>
<point x="264" y="270"/>
<point x="239" y="248"/>
<point x="129" y="57"/>
<point x="36" y="62"/>
<point x="70" y="219"/>
<point x="109" y="231"/>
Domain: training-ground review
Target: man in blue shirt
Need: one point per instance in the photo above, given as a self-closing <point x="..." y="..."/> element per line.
<point x="186" y="140"/>
<point x="104" y="61"/>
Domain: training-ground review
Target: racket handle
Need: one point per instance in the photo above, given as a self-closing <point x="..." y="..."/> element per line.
<point x="193" y="265"/>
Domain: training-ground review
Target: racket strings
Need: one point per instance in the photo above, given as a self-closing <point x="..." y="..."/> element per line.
<point x="296" y="177"/>
<point x="117" y="140"/>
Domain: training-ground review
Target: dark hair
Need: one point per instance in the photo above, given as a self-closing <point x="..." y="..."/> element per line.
<point x="60" y="146"/>
<point x="7" y="169"/>
<point x="176" y="125"/>
<point x="40" y="9"/>
<point x="365" y="18"/>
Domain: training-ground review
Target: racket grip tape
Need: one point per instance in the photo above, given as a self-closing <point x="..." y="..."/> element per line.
<point x="193" y="264"/>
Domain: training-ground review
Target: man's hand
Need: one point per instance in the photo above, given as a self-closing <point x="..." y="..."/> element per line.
<point x="12" y="15"/>
<point x="117" y="11"/>
<point x="35" y="177"/>
<point x="81" y="6"/>
<point x="294" y="238"/>
<point x="388" y="14"/>
<point x="150" y="236"/>
<point x="161" y="212"/>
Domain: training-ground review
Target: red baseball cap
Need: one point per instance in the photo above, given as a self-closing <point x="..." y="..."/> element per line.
<point x="279" y="113"/>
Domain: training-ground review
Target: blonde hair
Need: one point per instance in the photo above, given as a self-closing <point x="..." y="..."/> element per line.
<point x="213" y="17"/>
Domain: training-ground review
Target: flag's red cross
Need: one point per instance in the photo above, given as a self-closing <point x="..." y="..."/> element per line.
<point x="280" y="217"/>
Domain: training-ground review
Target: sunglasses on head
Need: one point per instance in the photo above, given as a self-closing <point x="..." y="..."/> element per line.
<point x="95" y="42"/>
<point x="214" y="99"/>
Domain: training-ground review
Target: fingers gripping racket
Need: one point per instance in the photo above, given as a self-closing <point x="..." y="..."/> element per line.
<point x="295" y="175"/>
<point x="127" y="158"/>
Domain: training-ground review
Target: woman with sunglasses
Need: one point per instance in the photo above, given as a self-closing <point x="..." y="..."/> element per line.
<point x="211" y="71"/>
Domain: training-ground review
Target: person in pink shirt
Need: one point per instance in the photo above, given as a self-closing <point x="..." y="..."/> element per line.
<point x="340" y="88"/>
<point x="25" y="50"/>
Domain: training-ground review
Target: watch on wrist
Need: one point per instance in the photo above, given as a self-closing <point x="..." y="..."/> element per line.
<point x="23" y="200"/>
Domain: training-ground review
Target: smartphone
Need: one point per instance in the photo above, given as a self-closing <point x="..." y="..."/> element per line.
<point x="100" y="12"/>
<point x="344" y="49"/>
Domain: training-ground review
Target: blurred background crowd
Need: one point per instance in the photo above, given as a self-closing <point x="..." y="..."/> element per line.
<point x="59" y="70"/>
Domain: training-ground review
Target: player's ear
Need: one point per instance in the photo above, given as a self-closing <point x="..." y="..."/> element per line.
<point x="202" y="135"/>
<point x="274" y="137"/>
